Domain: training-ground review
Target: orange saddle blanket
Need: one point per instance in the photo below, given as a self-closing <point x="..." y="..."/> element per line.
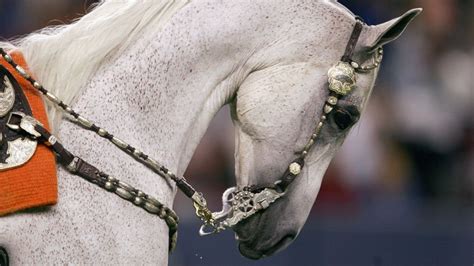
<point x="33" y="184"/>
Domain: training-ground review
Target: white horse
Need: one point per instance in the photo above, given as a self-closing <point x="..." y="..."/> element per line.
<point x="155" y="73"/>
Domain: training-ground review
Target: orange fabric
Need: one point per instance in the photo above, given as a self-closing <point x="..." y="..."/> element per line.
<point x="33" y="184"/>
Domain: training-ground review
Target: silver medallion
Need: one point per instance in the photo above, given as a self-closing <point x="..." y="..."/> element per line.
<point x="20" y="151"/>
<point x="7" y="97"/>
<point x="341" y="78"/>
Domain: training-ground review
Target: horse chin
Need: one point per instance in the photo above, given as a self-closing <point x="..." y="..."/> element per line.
<point x="250" y="233"/>
<point x="256" y="254"/>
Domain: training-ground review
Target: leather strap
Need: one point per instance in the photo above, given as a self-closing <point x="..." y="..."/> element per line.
<point x="87" y="171"/>
<point x="347" y="57"/>
<point x="288" y="177"/>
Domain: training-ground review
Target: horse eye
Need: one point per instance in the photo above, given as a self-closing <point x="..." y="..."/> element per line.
<point x="344" y="117"/>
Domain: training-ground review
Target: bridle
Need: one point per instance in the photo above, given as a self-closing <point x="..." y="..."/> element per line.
<point x="238" y="204"/>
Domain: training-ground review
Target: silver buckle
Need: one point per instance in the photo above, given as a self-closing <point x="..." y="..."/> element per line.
<point x="27" y="123"/>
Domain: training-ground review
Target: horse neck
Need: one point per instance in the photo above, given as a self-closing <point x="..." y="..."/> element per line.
<point x="162" y="92"/>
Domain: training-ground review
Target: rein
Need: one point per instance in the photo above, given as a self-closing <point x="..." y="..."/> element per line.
<point x="238" y="204"/>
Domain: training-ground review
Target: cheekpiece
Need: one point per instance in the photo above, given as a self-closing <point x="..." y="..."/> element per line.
<point x="341" y="78"/>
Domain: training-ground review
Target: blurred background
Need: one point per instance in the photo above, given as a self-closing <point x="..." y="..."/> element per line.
<point x="400" y="191"/>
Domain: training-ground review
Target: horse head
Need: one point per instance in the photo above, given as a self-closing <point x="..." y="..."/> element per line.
<point x="279" y="105"/>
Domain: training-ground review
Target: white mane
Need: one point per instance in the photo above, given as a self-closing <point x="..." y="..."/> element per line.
<point x="63" y="58"/>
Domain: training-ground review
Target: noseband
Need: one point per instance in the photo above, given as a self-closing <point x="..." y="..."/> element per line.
<point x="238" y="204"/>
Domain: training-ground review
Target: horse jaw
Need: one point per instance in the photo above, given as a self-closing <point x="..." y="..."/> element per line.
<point x="271" y="128"/>
<point x="273" y="230"/>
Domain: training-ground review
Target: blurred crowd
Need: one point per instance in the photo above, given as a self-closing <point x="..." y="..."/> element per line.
<point x="416" y="138"/>
<point x="415" y="143"/>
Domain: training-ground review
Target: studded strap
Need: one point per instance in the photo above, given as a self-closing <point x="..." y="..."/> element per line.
<point x="28" y="126"/>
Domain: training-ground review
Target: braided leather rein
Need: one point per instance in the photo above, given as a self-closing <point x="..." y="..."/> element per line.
<point x="238" y="204"/>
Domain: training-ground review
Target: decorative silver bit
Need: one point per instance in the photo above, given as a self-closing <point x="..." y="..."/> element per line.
<point x="255" y="202"/>
<point x="238" y="206"/>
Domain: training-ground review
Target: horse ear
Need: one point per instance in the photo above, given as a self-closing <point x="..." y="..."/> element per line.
<point x="391" y="30"/>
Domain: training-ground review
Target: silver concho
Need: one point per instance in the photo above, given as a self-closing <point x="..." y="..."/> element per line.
<point x="341" y="78"/>
<point x="295" y="168"/>
<point x="20" y="151"/>
<point x="7" y="97"/>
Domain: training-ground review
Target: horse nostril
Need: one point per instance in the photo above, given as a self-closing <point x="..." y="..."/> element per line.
<point x="3" y="257"/>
